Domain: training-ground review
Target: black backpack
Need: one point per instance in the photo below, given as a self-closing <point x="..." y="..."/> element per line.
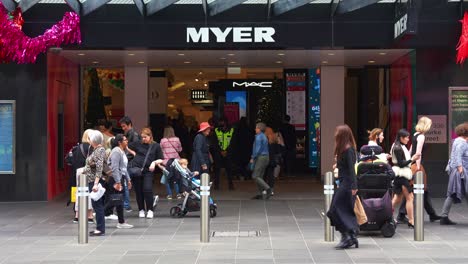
<point x="78" y="149"/>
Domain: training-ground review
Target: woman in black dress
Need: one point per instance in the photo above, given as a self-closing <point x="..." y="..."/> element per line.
<point x="341" y="211"/>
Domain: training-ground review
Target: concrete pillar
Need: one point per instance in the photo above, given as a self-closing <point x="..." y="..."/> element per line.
<point x="136" y="95"/>
<point x="157" y="95"/>
<point x="332" y="105"/>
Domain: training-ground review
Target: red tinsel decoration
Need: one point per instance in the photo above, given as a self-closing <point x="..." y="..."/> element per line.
<point x="17" y="47"/>
<point x="462" y="45"/>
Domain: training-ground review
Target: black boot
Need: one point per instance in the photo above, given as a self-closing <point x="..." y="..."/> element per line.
<point x="346" y="241"/>
<point x="354" y="239"/>
<point x="446" y="221"/>
<point x="434" y="217"/>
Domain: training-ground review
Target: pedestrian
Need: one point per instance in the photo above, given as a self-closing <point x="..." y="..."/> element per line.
<point x="132" y="136"/>
<point x="288" y="132"/>
<point x="259" y="162"/>
<point x="93" y="171"/>
<point x="275" y="150"/>
<point x="171" y="147"/>
<point x="376" y="137"/>
<point x="402" y="161"/>
<point x="144" y="152"/>
<point x="224" y="135"/>
<point x="417" y="147"/>
<point x="118" y="163"/>
<point x="341" y="211"/>
<point x="201" y="160"/>
<point x="241" y="143"/>
<point x="457" y="168"/>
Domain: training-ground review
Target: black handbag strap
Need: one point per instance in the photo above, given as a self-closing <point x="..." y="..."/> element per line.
<point x="146" y="157"/>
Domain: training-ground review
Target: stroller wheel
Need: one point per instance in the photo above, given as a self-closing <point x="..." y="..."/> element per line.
<point x="388" y="229"/>
<point x="213" y="212"/>
<point x="175" y="211"/>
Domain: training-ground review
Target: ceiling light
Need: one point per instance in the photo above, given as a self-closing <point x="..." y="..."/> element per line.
<point x="331" y="54"/>
<point x="232" y="62"/>
<point x="231" y="54"/>
<point x="279" y="62"/>
<point x="324" y="62"/>
<point x="200" y="73"/>
<point x="187" y="62"/>
<point x="371" y="61"/>
<point x="196" y="79"/>
<point x="81" y="54"/>
<point x="382" y="53"/>
<point x="95" y="62"/>
<point x="141" y="62"/>
<point x="181" y="54"/>
<point x="205" y="84"/>
<point x="131" y="54"/>
<point x="281" y="54"/>
<point x="222" y="58"/>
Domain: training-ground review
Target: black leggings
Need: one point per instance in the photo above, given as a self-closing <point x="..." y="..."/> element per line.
<point x="144" y="191"/>
<point x="110" y="208"/>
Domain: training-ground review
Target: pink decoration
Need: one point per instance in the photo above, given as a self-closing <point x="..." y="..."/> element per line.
<point x="462" y="46"/>
<point x="17" y="47"/>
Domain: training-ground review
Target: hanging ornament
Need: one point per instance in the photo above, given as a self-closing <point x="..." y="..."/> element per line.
<point x="462" y="46"/>
<point x="15" y="46"/>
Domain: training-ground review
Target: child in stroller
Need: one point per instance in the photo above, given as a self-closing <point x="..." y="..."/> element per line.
<point x="177" y="170"/>
<point x="374" y="178"/>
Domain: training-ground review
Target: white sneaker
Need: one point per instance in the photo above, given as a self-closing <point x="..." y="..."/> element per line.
<point x="141" y="214"/>
<point x="149" y="215"/>
<point x="124" y="226"/>
<point x="112" y="217"/>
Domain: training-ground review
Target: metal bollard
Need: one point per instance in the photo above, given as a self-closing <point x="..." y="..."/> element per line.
<point x="83" y="196"/>
<point x="419" y="207"/>
<point x="328" y="190"/>
<point x="205" y="208"/>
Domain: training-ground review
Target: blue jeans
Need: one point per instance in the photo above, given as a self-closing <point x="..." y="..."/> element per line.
<point x="169" y="187"/>
<point x="98" y="207"/>
<point x="126" y="195"/>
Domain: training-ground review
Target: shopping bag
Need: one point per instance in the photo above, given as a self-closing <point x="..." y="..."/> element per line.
<point x="73" y="194"/>
<point x="361" y="216"/>
<point x="97" y="195"/>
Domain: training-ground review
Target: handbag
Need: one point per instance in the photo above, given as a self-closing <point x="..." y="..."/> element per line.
<point x="361" y="216"/>
<point x="137" y="171"/>
<point x="115" y="199"/>
<point x="97" y="195"/>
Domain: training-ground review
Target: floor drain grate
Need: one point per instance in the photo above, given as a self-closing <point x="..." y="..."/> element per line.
<point x="236" y="233"/>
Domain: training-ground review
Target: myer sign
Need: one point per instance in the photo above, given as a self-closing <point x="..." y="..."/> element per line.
<point x="238" y="34"/>
<point x="253" y="84"/>
<point x="401" y="25"/>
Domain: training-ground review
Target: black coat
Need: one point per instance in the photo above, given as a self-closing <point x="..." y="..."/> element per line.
<point x="341" y="211"/>
<point x="201" y="153"/>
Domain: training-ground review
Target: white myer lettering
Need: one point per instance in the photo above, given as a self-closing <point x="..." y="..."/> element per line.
<point x="401" y="26"/>
<point x="239" y="34"/>
<point x="252" y="84"/>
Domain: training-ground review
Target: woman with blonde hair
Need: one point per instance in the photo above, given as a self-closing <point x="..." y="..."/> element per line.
<point x="171" y="147"/>
<point x="144" y="152"/>
<point x="417" y="147"/>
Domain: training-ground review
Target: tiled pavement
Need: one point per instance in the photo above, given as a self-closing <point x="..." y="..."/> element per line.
<point x="290" y="224"/>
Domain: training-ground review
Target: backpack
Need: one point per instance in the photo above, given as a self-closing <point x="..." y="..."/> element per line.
<point x="74" y="151"/>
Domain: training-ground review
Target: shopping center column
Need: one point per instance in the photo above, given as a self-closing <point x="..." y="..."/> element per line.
<point x="331" y="111"/>
<point x="136" y="95"/>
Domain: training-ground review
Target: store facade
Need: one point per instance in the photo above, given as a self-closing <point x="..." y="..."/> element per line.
<point x="48" y="93"/>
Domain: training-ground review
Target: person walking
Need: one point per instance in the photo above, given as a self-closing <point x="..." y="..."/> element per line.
<point x="402" y="161"/>
<point x="457" y="168"/>
<point x="201" y="160"/>
<point x="259" y="161"/>
<point x="93" y="171"/>
<point x="241" y="143"/>
<point x="171" y="147"/>
<point x="275" y="149"/>
<point x="417" y="147"/>
<point x="144" y="152"/>
<point x="118" y="163"/>
<point x="288" y="132"/>
<point x="341" y="211"/>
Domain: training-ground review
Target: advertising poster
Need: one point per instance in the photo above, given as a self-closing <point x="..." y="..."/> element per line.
<point x="7" y="140"/>
<point x="239" y="97"/>
<point x="231" y="112"/>
<point x="458" y="109"/>
<point x="314" y="117"/>
<point x="296" y="83"/>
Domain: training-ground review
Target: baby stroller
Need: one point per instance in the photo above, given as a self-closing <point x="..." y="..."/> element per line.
<point x="191" y="188"/>
<point x="374" y="179"/>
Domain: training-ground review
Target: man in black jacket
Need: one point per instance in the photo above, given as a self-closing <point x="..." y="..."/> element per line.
<point x="288" y="132"/>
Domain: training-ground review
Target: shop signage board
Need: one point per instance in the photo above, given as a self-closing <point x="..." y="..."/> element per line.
<point x="7" y="140"/>
<point x="296" y="83"/>
<point x="438" y="132"/>
<point x="458" y="109"/>
<point x="400" y="26"/>
<point x="252" y="84"/>
<point x="230" y="34"/>
<point x="314" y="117"/>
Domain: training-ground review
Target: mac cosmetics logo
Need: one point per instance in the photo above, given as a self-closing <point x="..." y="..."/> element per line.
<point x="238" y="34"/>
<point x="252" y="84"/>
